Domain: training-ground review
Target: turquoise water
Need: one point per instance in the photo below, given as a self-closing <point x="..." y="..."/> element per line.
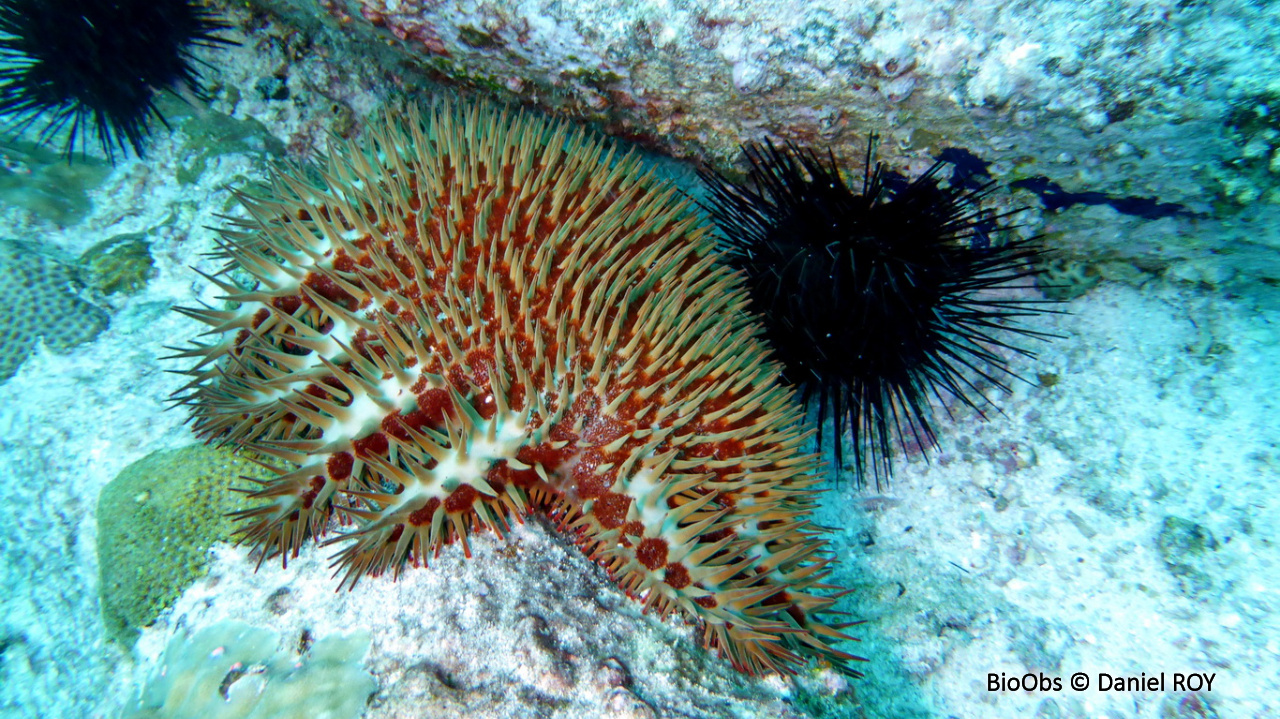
<point x="1114" y="518"/>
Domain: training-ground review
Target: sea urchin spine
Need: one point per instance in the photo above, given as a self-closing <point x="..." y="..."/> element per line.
<point x="484" y="315"/>
<point x="97" y="65"/>
<point x="879" y="302"/>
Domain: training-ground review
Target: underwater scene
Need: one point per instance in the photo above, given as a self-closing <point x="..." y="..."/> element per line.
<point x="667" y="359"/>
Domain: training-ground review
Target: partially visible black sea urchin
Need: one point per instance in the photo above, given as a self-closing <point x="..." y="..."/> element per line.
<point x="84" y="66"/>
<point x="878" y="302"/>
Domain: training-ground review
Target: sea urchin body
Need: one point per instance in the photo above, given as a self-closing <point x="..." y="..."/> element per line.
<point x="877" y="302"/>
<point x="96" y="66"/>
<point x="483" y="315"/>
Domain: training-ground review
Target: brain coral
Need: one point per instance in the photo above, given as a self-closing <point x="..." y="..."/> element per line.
<point x="156" y="522"/>
<point x="38" y="299"/>
<point x="483" y="314"/>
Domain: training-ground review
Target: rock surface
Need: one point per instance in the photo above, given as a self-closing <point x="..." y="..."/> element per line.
<point x="527" y="627"/>
<point x="1140" y="109"/>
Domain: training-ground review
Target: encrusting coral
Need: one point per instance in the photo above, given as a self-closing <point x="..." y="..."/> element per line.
<point x="156" y="522"/>
<point x="39" y="299"/>
<point x="481" y="315"/>
<point x="232" y="670"/>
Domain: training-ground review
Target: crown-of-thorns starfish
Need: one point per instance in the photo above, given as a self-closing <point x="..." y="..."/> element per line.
<point x="472" y="317"/>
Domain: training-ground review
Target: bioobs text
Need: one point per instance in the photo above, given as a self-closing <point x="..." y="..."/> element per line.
<point x="1028" y="682"/>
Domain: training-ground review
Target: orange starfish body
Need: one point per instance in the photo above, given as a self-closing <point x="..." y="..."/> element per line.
<point x="483" y="314"/>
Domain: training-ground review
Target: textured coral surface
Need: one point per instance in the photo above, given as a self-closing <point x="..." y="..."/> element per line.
<point x="485" y="314"/>
<point x="232" y="670"/>
<point x="156" y="522"/>
<point x="38" y="300"/>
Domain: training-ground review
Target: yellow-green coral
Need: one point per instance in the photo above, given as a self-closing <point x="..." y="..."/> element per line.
<point x="156" y="522"/>
<point x="120" y="264"/>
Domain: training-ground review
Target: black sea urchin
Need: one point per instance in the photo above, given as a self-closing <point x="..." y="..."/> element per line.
<point x="81" y="64"/>
<point x="876" y="302"/>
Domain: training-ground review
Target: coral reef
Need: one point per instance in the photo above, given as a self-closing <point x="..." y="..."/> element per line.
<point x="1064" y="279"/>
<point x="1252" y="172"/>
<point x="526" y="626"/>
<point x="1082" y="102"/>
<point x="1184" y="546"/>
<point x="210" y="135"/>
<point x="38" y="300"/>
<point x="156" y="522"/>
<point x="43" y="183"/>
<point x="118" y="264"/>
<point x="1021" y="85"/>
<point x="233" y="671"/>
<point x="485" y="314"/>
